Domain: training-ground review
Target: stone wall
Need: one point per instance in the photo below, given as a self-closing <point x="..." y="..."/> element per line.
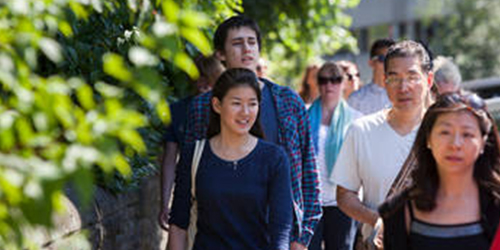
<point x="123" y="222"/>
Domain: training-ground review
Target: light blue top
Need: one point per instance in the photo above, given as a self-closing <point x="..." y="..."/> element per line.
<point x="369" y="99"/>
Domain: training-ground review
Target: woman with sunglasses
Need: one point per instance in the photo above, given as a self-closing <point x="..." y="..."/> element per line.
<point x="242" y="185"/>
<point x="452" y="201"/>
<point x="330" y="117"/>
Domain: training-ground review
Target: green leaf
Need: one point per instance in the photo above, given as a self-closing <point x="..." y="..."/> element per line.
<point x="65" y="28"/>
<point x="133" y="139"/>
<point x="12" y="193"/>
<point x="115" y="67"/>
<point x="85" y="96"/>
<point x="24" y="131"/>
<point x="79" y="10"/>
<point x="108" y="90"/>
<point x="194" y="19"/>
<point x="163" y="111"/>
<point x="51" y="49"/>
<point x="198" y="39"/>
<point x="170" y="10"/>
<point x="97" y="5"/>
<point x="142" y="57"/>
<point x="184" y="62"/>
<point x="84" y="186"/>
<point x="122" y="165"/>
<point x="7" y="139"/>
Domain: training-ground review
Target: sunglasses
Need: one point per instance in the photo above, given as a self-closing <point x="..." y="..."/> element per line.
<point x="325" y="80"/>
<point x="379" y="58"/>
<point x="351" y="77"/>
<point x="471" y="102"/>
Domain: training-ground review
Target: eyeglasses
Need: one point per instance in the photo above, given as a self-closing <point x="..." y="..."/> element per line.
<point x="379" y="58"/>
<point x="325" y="80"/>
<point x="393" y="81"/>
<point x="472" y="101"/>
<point x="350" y="77"/>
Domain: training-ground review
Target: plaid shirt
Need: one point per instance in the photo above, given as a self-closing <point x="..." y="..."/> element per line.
<point x="295" y="136"/>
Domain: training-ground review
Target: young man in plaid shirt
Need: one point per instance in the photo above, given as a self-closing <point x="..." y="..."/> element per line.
<point x="237" y="43"/>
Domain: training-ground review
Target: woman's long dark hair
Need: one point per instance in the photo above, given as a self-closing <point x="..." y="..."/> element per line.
<point x="425" y="177"/>
<point x="233" y="78"/>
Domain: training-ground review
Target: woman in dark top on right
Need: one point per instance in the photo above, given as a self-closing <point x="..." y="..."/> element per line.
<point x="453" y="199"/>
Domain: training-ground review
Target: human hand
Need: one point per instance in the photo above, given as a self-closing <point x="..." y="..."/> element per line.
<point x="297" y="246"/>
<point x="163" y="217"/>
<point x="378" y="240"/>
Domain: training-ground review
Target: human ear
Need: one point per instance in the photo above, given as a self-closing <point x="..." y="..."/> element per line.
<point x="220" y="55"/>
<point x="216" y="104"/>
<point x="430" y="80"/>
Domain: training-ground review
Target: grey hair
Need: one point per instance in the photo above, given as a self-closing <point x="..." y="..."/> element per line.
<point x="446" y="70"/>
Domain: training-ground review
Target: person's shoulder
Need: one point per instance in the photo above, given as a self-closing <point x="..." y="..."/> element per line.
<point x="270" y="148"/>
<point x="394" y="205"/>
<point x="282" y="91"/>
<point x="203" y="97"/>
<point x="180" y="107"/>
<point x="361" y="92"/>
<point x="200" y="102"/>
<point x="371" y="121"/>
<point x="355" y="114"/>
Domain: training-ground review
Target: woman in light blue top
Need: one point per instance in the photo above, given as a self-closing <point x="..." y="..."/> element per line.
<point x="330" y="117"/>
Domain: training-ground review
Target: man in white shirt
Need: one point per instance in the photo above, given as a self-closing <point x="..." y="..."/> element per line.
<point x="372" y="97"/>
<point x="376" y="146"/>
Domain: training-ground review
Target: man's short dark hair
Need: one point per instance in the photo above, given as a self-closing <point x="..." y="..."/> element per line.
<point x="234" y="22"/>
<point x="409" y="48"/>
<point x="380" y="44"/>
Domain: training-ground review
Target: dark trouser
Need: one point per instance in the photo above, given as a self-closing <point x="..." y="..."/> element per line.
<point x="335" y="228"/>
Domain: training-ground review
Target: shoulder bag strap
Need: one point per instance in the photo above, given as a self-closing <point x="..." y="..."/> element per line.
<point x="198" y="151"/>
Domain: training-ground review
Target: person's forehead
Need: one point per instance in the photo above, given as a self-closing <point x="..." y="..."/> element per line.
<point x="404" y="64"/>
<point x="461" y="118"/>
<point x="241" y="32"/>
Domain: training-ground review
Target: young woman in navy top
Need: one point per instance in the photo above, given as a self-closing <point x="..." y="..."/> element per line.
<point x="243" y="188"/>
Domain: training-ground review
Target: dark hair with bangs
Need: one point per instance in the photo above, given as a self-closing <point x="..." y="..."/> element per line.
<point x="233" y="78"/>
<point x="234" y="22"/>
<point x="409" y="48"/>
<point x="425" y="177"/>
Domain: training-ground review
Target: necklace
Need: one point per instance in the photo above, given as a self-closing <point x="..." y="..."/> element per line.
<point x="234" y="153"/>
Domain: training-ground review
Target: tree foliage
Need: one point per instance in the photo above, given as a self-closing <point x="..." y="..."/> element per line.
<point x="470" y="33"/>
<point x="296" y="31"/>
<point x="74" y="77"/>
<point x="85" y="85"/>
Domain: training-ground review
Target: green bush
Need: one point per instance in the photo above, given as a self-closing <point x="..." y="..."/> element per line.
<point x="76" y="79"/>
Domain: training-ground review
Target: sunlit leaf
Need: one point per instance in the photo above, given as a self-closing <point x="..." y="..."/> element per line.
<point x="115" y="66"/>
<point x="198" y="39"/>
<point x="24" y="131"/>
<point x="194" y="19"/>
<point x="122" y="165"/>
<point x="51" y="49"/>
<point x="133" y="139"/>
<point x="78" y="9"/>
<point x="185" y="63"/>
<point x="108" y="90"/>
<point x="163" y="111"/>
<point x="170" y="10"/>
<point x="13" y="194"/>
<point x="142" y="57"/>
<point x="85" y="96"/>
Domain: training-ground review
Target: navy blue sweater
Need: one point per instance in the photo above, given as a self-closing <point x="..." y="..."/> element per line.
<point x="244" y="204"/>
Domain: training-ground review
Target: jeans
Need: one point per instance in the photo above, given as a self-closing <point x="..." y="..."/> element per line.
<point x="335" y="229"/>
